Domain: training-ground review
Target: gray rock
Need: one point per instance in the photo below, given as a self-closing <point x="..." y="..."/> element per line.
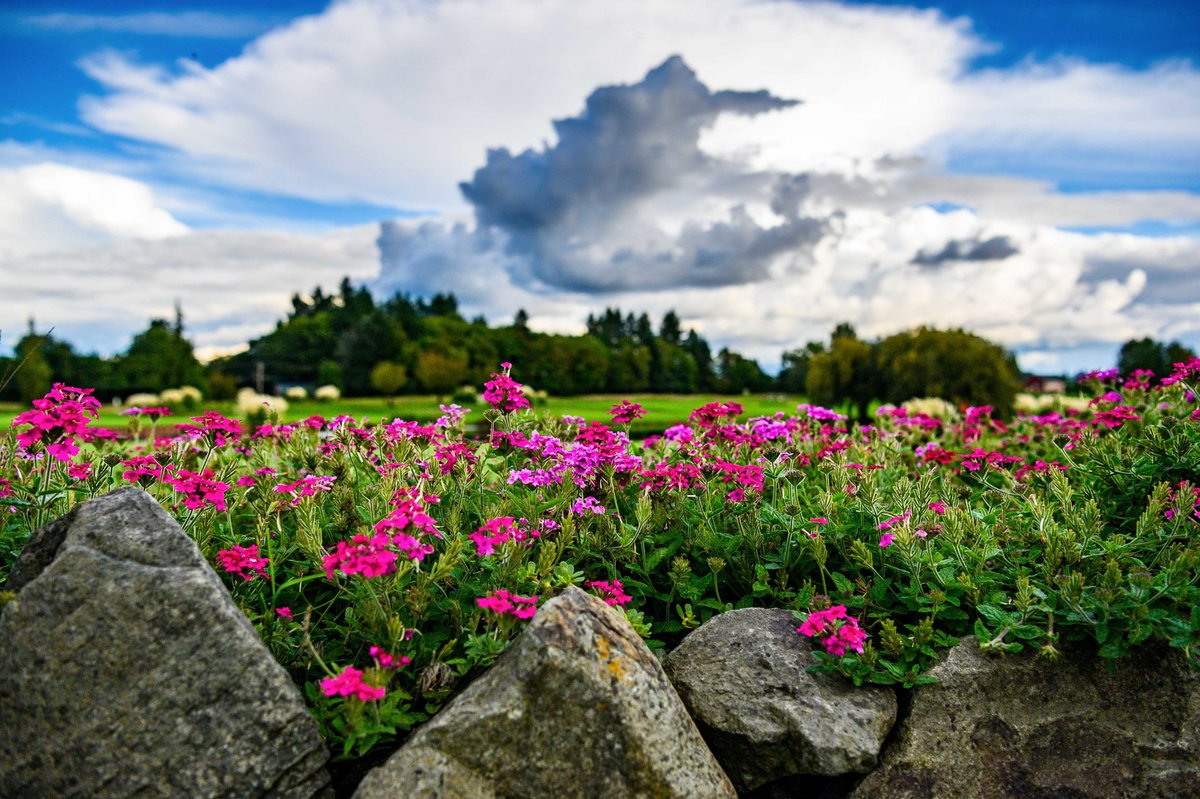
<point x="743" y="676"/>
<point x="129" y="671"/>
<point x="577" y="708"/>
<point x="1023" y="726"/>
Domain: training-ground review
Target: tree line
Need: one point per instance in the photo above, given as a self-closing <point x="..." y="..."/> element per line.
<point x="425" y="345"/>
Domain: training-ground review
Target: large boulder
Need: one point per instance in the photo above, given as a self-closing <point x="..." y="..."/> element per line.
<point x="744" y="678"/>
<point x="577" y="708"/>
<point x="129" y="671"/>
<point x="1023" y="726"/>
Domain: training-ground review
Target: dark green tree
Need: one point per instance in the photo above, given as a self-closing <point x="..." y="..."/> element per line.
<point x="955" y="365"/>
<point x="160" y="358"/>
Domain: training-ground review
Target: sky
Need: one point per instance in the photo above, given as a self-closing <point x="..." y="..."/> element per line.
<point x="1028" y="171"/>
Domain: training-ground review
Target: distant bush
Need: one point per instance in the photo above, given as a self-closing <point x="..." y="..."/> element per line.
<point x="327" y="393"/>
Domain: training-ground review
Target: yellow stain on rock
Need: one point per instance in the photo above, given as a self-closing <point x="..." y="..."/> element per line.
<point x="612" y="661"/>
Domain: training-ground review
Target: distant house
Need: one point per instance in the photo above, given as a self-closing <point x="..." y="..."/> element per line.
<point x="1038" y="384"/>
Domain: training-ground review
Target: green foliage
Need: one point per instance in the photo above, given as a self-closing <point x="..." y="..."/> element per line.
<point x="1025" y="535"/>
<point x="952" y="364"/>
<point x="387" y="377"/>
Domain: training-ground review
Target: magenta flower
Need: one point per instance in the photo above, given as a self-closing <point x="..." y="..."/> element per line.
<point x="504" y="603"/>
<point x="503" y="393"/>
<point x="498" y="531"/>
<point x="243" y="561"/>
<point x="199" y="490"/>
<point x="57" y="419"/>
<point x="836" y="631"/>
<point x="285" y="613"/>
<point x="79" y="471"/>
<point x="386" y="660"/>
<point x="368" y="556"/>
<point x="938" y="507"/>
<point x="886" y="540"/>
<point x="215" y="427"/>
<point x="625" y="412"/>
<point x="587" y="505"/>
<point x="350" y="684"/>
<point x="613" y="593"/>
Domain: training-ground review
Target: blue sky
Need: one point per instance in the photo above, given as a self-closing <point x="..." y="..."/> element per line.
<point x="170" y="144"/>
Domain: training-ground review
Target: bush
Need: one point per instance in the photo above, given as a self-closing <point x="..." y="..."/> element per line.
<point x="327" y="393"/>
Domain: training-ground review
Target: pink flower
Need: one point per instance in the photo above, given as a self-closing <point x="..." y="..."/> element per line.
<point x="57" y="419"/>
<point x="505" y="603"/>
<point x="837" y="631"/>
<point x="285" y="613"/>
<point x="350" y="684"/>
<point x="819" y="520"/>
<point x="199" y="490"/>
<point x="587" y="505"/>
<point x="386" y="660"/>
<point x="79" y="471"/>
<point x="613" y="593"/>
<point x="938" y="507"/>
<point x="368" y="556"/>
<point x="895" y="520"/>
<point x="5" y="488"/>
<point x="217" y="428"/>
<point x="625" y="412"/>
<point x="501" y="530"/>
<point x="886" y="540"/>
<point x="243" y="561"/>
<point x="503" y="393"/>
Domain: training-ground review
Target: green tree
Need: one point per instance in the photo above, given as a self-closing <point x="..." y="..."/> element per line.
<point x="793" y="377"/>
<point x="1146" y="353"/>
<point x="441" y="372"/>
<point x="957" y="366"/>
<point x="160" y="358"/>
<point x="845" y="373"/>
<point x="33" y="376"/>
<point x="388" y="377"/>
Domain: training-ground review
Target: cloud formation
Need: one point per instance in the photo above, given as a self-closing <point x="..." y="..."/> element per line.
<point x="48" y="206"/>
<point x="761" y="221"/>
<point x="997" y="248"/>
<point x="591" y="212"/>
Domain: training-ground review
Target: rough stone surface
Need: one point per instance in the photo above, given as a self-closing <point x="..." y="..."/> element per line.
<point x="129" y="671"/>
<point x="743" y="676"/>
<point x="577" y="708"/>
<point x="1022" y="726"/>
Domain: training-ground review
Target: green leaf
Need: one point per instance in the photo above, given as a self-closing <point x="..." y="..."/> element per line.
<point x="844" y="586"/>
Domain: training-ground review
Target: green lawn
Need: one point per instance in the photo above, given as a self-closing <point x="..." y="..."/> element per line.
<point x="662" y="410"/>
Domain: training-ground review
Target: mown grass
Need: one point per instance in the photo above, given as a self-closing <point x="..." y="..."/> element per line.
<point x="662" y="410"/>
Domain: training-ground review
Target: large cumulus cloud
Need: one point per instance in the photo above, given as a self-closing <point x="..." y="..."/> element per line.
<point x="593" y="212"/>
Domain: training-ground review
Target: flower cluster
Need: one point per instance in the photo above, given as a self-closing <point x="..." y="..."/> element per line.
<point x="244" y="562"/>
<point x="350" y="684"/>
<point x="498" y="531"/>
<point x="838" y="632"/>
<point x="386" y="660"/>
<point x="612" y="592"/>
<point x="57" y="420"/>
<point x="625" y="412"/>
<point x="506" y="603"/>
<point x="503" y="393"/>
<point x="370" y="556"/>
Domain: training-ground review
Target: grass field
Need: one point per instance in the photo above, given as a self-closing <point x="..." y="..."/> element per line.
<point x="662" y="410"/>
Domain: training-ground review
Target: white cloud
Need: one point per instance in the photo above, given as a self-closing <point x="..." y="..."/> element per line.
<point x="393" y="102"/>
<point x="396" y="102"/>
<point x="233" y="285"/>
<point x="50" y="206"/>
